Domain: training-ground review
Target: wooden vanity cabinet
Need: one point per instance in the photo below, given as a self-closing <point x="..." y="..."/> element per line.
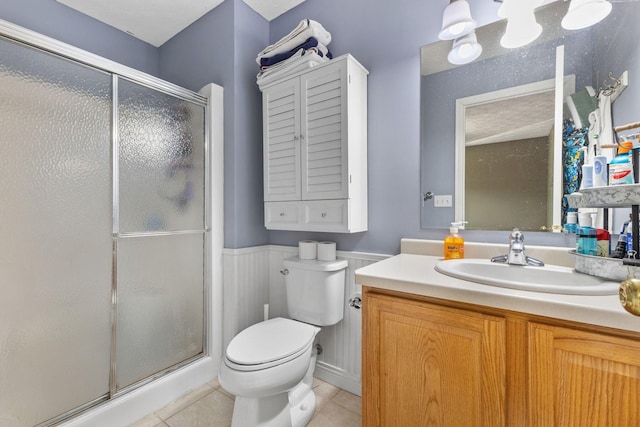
<point x="431" y="365"/>
<point x="429" y="362"/>
<point x="578" y="378"/>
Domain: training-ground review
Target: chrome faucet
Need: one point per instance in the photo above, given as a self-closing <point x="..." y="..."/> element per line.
<point x="516" y="255"/>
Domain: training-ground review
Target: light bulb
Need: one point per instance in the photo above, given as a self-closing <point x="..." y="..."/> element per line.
<point x="585" y="13"/>
<point x="465" y="50"/>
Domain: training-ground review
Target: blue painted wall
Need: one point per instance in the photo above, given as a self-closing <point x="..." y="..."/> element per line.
<point x="53" y="19"/>
<point x="385" y="36"/>
<point x="219" y="48"/>
<point x="386" y="39"/>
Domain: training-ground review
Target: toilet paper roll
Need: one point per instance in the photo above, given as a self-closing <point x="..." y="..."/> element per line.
<point x="307" y="249"/>
<point x="326" y="251"/>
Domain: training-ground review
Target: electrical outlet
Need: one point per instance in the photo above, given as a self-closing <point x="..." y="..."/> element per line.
<point x="442" y="201"/>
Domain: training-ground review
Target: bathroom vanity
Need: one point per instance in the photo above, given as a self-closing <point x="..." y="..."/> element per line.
<point x="447" y="352"/>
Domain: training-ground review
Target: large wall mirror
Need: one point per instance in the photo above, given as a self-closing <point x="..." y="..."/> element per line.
<point x="491" y="130"/>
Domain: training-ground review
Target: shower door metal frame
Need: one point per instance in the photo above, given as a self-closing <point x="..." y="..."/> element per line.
<point x="44" y="43"/>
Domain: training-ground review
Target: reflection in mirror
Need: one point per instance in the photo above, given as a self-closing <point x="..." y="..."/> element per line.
<point x="589" y="55"/>
<point x="506" y="159"/>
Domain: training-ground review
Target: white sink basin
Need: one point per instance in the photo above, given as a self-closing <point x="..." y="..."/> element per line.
<point x="549" y="279"/>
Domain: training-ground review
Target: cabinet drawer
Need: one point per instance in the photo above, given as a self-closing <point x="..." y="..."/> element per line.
<point x="327" y="215"/>
<point x="282" y="215"/>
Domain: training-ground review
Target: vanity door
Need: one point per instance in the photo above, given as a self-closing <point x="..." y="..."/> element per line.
<point x="430" y="365"/>
<point x="579" y="378"/>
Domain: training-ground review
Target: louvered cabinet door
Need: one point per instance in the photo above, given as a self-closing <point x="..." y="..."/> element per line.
<point x="315" y="149"/>
<point x="324" y="133"/>
<point x="281" y="141"/>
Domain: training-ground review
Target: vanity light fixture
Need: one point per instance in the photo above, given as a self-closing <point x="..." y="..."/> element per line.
<point x="465" y="49"/>
<point x="584" y="13"/>
<point x="456" y="20"/>
<point x="522" y="27"/>
<point x="502" y="10"/>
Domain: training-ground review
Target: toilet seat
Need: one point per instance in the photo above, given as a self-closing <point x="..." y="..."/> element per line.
<point x="269" y="343"/>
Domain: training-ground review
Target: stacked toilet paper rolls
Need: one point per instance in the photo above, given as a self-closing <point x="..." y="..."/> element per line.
<point x="322" y="251"/>
<point x="326" y="251"/>
<point x="307" y="249"/>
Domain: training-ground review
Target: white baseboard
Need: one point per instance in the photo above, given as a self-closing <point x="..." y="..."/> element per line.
<point x="338" y="378"/>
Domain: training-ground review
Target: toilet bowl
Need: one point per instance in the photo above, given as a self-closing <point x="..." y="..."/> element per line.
<point x="269" y="366"/>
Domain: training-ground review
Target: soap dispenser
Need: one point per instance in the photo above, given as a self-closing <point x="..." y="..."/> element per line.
<point x="454" y="243"/>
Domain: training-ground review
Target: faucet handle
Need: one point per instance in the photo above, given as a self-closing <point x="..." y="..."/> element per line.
<point x="516" y="236"/>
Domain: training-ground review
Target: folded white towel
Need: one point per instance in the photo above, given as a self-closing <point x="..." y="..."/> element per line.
<point x="306" y="28"/>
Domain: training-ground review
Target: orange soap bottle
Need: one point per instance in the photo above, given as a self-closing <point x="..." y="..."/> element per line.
<point x="453" y="243"/>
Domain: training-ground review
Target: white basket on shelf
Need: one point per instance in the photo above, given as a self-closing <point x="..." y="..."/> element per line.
<point x="606" y="268"/>
<point x="606" y="197"/>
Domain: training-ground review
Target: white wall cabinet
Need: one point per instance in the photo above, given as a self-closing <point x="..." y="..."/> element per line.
<point x="315" y="149"/>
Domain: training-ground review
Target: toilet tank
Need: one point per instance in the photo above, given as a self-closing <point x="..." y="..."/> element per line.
<point x="315" y="290"/>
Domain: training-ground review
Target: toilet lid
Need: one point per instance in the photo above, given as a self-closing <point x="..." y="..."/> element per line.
<point x="271" y="340"/>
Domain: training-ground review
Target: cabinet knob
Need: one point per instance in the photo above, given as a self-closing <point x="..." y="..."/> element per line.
<point x="281" y="213"/>
<point x="324" y="214"/>
<point x="630" y="295"/>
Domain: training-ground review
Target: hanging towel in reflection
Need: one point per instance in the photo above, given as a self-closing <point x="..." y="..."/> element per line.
<point x="306" y="29"/>
<point x="580" y="105"/>
<point x="574" y="142"/>
<point x="600" y="126"/>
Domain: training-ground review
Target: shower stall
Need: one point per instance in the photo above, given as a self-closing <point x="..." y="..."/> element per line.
<point x="104" y="230"/>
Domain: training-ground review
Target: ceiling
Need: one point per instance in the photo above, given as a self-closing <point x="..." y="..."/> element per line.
<point x="513" y="119"/>
<point x="167" y="17"/>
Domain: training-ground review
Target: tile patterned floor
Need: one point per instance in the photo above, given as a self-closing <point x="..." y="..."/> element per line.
<point x="211" y="406"/>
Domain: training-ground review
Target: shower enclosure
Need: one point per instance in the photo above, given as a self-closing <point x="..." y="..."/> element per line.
<point x="103" y="231"/>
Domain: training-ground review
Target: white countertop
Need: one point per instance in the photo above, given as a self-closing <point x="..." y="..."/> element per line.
<point x="415" y="274"/>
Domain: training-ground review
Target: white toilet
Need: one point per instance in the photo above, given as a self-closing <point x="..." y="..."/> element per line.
<point x="269" y="366"/>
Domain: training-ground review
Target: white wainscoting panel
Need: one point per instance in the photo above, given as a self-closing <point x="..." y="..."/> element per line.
<point x="252" y="278"/>
<point x="245" y="289"/>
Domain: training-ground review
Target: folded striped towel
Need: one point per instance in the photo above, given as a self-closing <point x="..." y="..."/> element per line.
<point x="300" y="61"/>
<point x="310" y="44"/>
<point x="306" y="29"/>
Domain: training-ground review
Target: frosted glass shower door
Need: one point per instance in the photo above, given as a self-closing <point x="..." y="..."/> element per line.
<point x="55" y="235"/>
<point x="161" y="236"/>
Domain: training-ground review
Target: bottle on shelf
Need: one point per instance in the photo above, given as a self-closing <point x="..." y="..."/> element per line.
<point x="586" y="243"/>
<point x="620" y="250"/>
<point x="620" y="167"/>
<point x="571" y="227"/>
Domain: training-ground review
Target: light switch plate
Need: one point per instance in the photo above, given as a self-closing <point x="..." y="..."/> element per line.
<point x="442" y="201"/>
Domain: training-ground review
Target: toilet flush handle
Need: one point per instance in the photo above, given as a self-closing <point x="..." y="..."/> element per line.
<point x="356" y="301"/>
<point x="284" y="272"/>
